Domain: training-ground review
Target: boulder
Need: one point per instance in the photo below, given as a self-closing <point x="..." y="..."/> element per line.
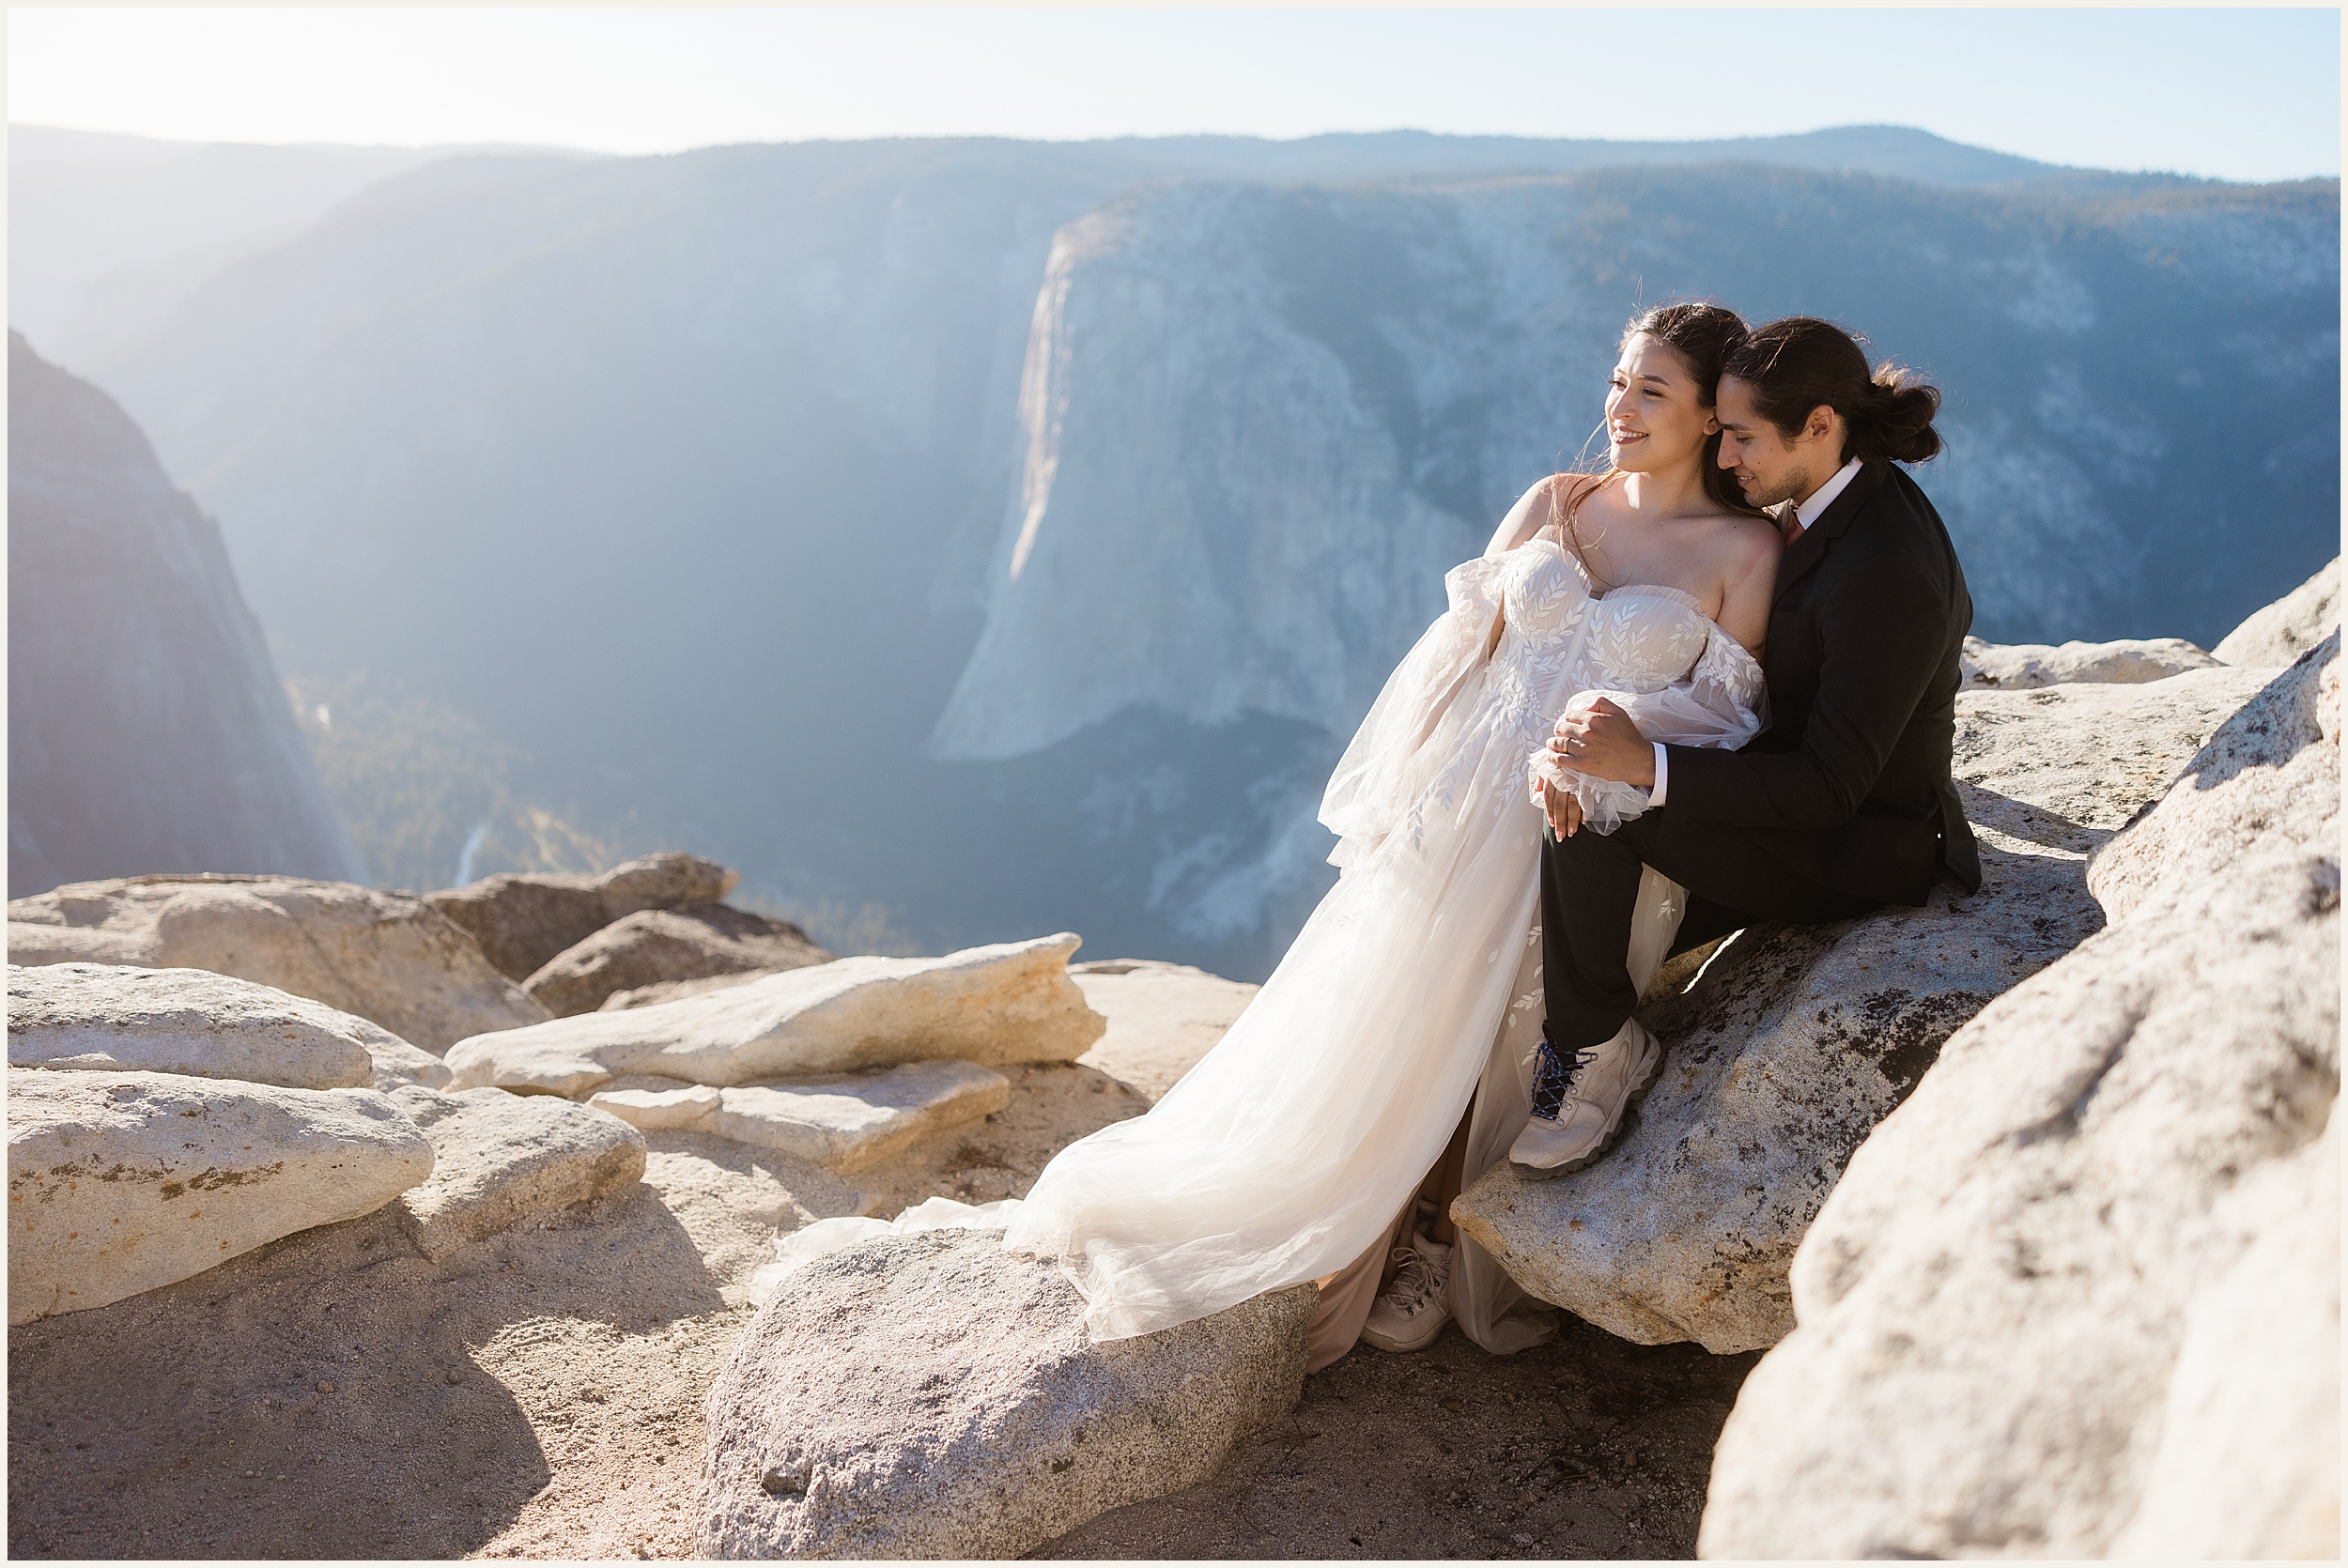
<point x="500" y="1157"/>
<point x="523" y="919"/>
<point x="654" y="947"/>
<point x="119" y="1183"/>
<point x="847" y="1123"/>
<point x="2020" y="666"/>
<point x="2276" y="635"/>
<point x="1161" y="1018"/>
<point x="2225" y="804"/>
<point x="117" y="1018"/>
<point x="114" y="1018"/>
<point x="687" y="1109"/>
<point x="383" y="956"/>
<point x="2249" y="1462"/>
<point x="398" y="1065"/>
<point x="1013" y="1001"/>
<point x="1793" y="1042"/>
<point x="2080" y="1293"/>
<point x="932" y="1395"/>
<point x="673" y="990"/>
<point x="794" y="1250"/>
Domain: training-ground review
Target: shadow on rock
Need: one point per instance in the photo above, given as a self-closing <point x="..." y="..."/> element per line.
<point x="1586" y="1447"/>
<point x="331" y="1395"/>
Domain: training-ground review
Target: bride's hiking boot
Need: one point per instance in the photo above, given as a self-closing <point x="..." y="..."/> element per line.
<point x="1412" y="1310"/>
<point x="1579" y="1102"/>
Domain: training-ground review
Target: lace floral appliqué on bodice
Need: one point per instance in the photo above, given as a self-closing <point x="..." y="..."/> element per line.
<point x="1449" y="713"/>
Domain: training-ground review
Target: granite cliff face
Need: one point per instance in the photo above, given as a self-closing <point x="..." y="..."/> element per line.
<point x="701" y="480"/>
<point x="147" y="730"/>
<point x="1261" y="422"/>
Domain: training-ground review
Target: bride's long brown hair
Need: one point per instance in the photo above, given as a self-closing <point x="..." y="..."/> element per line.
<point x="1703" y="334"/>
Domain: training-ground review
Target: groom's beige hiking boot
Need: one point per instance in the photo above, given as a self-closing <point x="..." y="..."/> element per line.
<point x="1578" y="1107"/>
<point x="1412" y="1310"/>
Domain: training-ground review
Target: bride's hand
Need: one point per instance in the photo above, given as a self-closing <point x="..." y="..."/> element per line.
<point x="1564" y="809"/>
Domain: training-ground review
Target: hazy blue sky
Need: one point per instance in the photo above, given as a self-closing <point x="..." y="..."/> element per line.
<point x="2243" y="94"/>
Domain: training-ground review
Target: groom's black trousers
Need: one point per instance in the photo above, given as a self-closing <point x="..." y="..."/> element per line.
<point x="1590" y="886"/>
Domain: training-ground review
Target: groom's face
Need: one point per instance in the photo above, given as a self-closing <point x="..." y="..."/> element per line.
<point x="1770" y="465"/>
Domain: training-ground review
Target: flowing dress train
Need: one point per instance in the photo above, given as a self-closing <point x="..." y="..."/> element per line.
<point x="1291" y="1146"/>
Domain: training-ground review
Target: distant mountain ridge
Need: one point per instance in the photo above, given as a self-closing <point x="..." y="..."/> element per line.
<point x="110" y="232"/>
<point x="699" y="479"/>
<point x="146" y="729"/>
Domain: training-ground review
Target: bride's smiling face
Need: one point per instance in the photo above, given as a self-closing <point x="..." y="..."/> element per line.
<point x="1655" y="413"/>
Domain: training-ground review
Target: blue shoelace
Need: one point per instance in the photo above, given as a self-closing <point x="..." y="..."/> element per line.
<point x="1556" y="1076"/>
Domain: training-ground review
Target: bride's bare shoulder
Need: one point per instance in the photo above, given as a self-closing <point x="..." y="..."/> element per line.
<point x="1563" y="489"/>
<point x="1540" y="506"/>
<point x="1749" y="540"/>
<point x="1744" y="553"/>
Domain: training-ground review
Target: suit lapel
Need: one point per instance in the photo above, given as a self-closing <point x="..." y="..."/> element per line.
<point x="1803" y="556"/>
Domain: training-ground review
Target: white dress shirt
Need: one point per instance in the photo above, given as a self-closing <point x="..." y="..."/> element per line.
<point x="1806" y="513"/>
<point x="1823" y="496"/>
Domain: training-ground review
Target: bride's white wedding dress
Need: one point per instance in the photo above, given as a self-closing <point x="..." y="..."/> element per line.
<point x="1291" y="1148"/>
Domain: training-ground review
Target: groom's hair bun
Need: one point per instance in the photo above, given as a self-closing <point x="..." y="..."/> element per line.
<point x="1797" y="362"/>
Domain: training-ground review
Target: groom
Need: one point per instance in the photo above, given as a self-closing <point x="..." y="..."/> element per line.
<point x="1844" y="804"/>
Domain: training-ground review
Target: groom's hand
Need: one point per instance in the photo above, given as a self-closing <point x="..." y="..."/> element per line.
<point x="1602" y="742"/>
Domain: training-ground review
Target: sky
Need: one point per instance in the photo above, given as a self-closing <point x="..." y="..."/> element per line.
<point x="2236" y="94"/>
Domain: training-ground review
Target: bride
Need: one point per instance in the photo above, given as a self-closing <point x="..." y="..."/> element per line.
<point x="1393" y="1048"/>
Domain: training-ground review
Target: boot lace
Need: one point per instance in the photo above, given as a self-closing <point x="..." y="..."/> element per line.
<point x="1553" y="1084"/>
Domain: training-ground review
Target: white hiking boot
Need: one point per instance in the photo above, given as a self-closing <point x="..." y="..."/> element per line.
<point x="1578" y="1105"/>
<point x="1410" y="1312"/>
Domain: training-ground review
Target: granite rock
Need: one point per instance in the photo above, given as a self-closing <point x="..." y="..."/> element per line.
<point x="119" y="1183"/>
<point x="117" y="1018"/>
<point x="2226" y="804"/>
<point x="523" y="919"/>
<point x="386" y="956"/>
<point x="1012" y="1002"/>
<point x="1161" y="1018"/>
<point x="932" y="1395"/>
<point x="2248" y="1461"/>
<point x="656" y="946"/>
<point x="848" y="1123"/>
<point x="659" y="1110"/>
<point x="2020" y="666"/>
<point x="1793" y="1042"/>
<point x="674" y="991"/>
<point x="500" y="1157"/>
<point x="2079" y="1294"/>
<point x="121" y="1018"/>
<point x="2276" y="635"/>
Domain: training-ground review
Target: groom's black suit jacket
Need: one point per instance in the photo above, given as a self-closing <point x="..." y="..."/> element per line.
<point x="1849" y="784"/>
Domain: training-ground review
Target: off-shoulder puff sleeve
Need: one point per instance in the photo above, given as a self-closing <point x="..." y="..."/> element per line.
<point x="1722" y="703"/>
<point x="1384" y="767"/>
